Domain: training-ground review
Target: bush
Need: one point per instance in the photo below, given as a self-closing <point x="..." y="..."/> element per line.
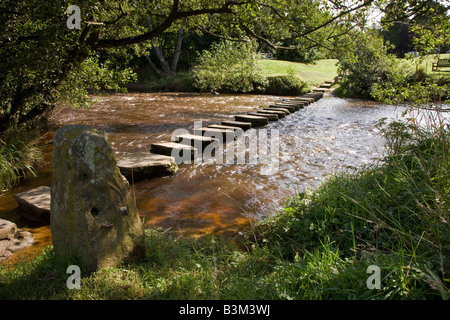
<point x="229" y="67"/>
<point x="286" y="85"/>
<point x="368" y="64"/>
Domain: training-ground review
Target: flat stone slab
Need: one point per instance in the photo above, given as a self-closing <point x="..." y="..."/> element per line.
<point x="35" y="204"/>
<point x="297" y="106"/>
<point x="12" y="239"/>
<point x="256" y="121"/>
<point x="196" y="140"/>
<point x="270" y="116"/>
<point x="140" y="166"/>
<point x="315" y="95"/>
<point x="179" y="151"/>
<point x="286" y="111"/>
<point x="244" y="125"/>
<point x="297" y="102"/>
<point x="223" y="135"/>
<point x="285" y="106"/>
<point x="279" y="113"/>
<point x="307" y="99"/>
<point x="237" y="130"/>
<point x="325" y="85"/>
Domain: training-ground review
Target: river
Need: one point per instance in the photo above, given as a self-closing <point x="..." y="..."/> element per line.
<point x="328" y="136"/>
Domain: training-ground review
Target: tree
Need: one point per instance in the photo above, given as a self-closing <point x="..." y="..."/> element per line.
<point x="167" y="70"/>
<point x="42" y="58"/>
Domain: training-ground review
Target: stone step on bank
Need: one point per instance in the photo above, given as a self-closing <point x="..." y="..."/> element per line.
<point x="34" y="204"/>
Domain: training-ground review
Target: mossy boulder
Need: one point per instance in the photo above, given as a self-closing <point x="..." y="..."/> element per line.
<point x="93" y="218"/>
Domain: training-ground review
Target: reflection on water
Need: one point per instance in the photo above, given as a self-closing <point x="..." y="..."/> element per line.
<point x="325" y="137"/>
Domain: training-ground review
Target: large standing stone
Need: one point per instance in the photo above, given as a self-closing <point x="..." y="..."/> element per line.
<point x="93" y="218"/>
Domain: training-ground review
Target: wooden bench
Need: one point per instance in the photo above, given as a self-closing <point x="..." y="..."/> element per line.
<point x="442" y="63"/>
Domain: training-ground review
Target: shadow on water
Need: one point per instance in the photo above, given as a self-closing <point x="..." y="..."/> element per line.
<point x="330" y="135"/>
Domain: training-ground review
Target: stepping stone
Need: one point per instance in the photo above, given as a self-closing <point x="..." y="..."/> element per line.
<point x="286" y="111"/>
<point x="297" y="106"/>
<point x="285" y="106"/>
<point x="35" y="204"/>
<point x="279" y="113"/>
<point x="309" y="100"/>
<point x="270" y="116"/>
<point x="329" y="82"/>
<point x="12" y="239"/>
<point x="223" y="135"/>
<point x="237" y="130"/>
<point x="244" y="125"/>
<point x="256" y="121"/>
<point x="196" y="140"/>
<point x="140" y="166"/>
<point x="179" y="151"/>
<point x="319" y="90"/>
<point x="316" y="96"/>
<point x="325" y="85"/>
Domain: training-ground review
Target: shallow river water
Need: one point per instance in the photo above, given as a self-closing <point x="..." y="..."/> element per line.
<point x="331" y="135"/>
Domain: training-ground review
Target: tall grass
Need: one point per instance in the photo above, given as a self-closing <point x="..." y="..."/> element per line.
<point x="19" y="155"/>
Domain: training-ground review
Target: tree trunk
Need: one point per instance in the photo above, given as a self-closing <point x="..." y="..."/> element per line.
<point x="166" y="70"/>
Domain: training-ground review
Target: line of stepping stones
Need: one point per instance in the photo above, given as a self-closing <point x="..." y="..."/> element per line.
<point x="35" y="204"/>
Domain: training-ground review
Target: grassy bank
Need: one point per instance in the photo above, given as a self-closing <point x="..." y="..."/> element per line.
<point x="19" y="156"/>
<point x="305" y="75"/>
<point x="426" y="64"/>
<point x="394" y="215"/>
<point x="314" y="73"/>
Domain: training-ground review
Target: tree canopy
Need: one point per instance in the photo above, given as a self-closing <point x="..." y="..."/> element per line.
<point x="44" y="62"/>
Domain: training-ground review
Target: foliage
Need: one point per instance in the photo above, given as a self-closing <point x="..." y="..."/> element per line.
<point x="367" y="63"/>
<point x="288" y="84"/>
<point x="19" y="156"/>
<point x="229" y="67"/>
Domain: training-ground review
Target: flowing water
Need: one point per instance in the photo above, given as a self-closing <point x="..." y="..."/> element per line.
<point x="328" y="136"/>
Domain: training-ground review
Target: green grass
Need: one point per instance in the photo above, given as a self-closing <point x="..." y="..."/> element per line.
<point x="314" y="73"/>
<point x="426" y="63"/>
<point x="19" y="155"/>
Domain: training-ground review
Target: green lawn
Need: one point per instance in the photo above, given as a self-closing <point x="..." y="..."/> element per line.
<point x="314" y="73"/>
<point x="426" y="63"/>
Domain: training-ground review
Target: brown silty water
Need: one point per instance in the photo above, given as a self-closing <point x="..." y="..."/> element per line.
<point x="216" y="198"/>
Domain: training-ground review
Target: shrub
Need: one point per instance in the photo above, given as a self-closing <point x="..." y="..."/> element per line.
<point x="229" y="67"/>
<point x="286" y="85"/>
<point x="368" y="64"/>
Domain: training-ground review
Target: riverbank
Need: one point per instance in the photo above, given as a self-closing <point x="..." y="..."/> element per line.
<point x="393" y="215"/>
<point x="298" y="78"/>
